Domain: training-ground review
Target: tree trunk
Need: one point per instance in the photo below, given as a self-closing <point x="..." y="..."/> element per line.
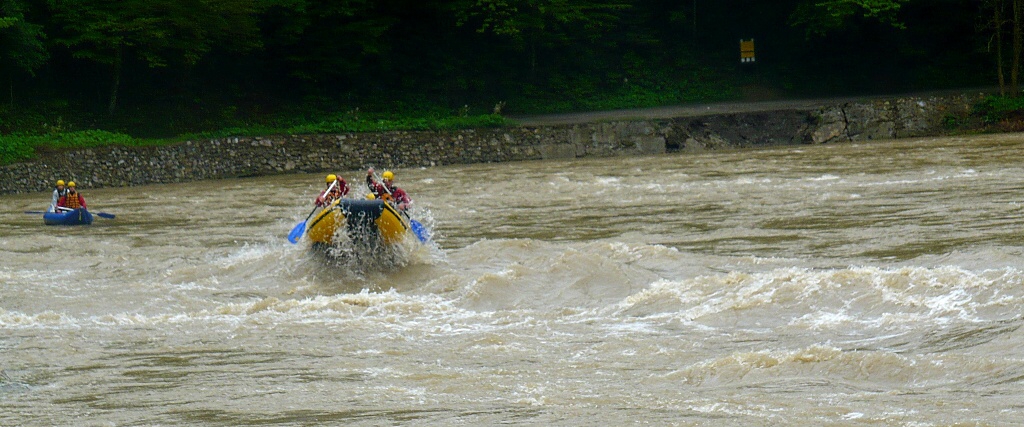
<point x="1018" y="43"/>
<point x="997" y="23"/>
<point x="116" y="85"/>
<point x="533" y="60"/>
<point x="694" y="22"/>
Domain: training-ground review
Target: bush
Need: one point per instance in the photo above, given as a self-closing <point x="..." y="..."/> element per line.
<point x="15" y="148"/>
<point x="20" y="147"/>
<point x="997" y="108"/>
<point x="90" y="138"/>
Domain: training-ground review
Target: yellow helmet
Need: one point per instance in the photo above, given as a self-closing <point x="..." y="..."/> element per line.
<point x="370" y="196"/>
<point x="331" y="178"/>
<point x="71" y="184"/>
<point x="60" y="182"/>
<point x="388" y="175"/>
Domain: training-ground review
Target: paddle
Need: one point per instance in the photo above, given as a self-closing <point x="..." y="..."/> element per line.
<point x="99" y="214"/>
<point x="418" y="229"/>
<point x="300" y="228"/>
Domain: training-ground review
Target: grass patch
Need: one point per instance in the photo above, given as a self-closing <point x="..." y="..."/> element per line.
<point x="994" y="114"/>
<point x="354" y="121"/>
<point x="19" y="147"/>
<point x="994" y="109"/>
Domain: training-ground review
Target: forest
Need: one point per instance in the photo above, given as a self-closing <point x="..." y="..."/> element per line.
<point x="164" y="68"/>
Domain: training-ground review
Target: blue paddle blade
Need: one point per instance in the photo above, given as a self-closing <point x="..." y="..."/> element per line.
<point x="105" y="215"/>
<point x="297" y="232"/>
<point x="420" y="231"/>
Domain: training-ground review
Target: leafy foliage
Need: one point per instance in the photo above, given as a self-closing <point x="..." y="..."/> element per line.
<point x="353" y="121"/>
<point x="324" y="39"/>
<point x="20" y="147"/>
<point x="15" y="148"/>
<point x="21" y="42"/>
<point x="157" y="31"/>
<point x="996" y="108"/>
<point x="821" y="17"/>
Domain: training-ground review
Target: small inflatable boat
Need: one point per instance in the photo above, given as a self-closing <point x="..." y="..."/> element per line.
<point x="79" y="216"/>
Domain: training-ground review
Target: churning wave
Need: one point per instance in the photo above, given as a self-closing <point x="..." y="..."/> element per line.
<point x="606" y="279"/>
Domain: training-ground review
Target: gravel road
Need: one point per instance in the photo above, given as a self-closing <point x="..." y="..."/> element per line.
<point x="720" y="108"/>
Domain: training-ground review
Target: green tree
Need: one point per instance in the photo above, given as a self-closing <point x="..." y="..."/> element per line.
<point x="820" y="17"/>
<point x="317" y="40"/>
<point x="158" y="32"/>
<point x="536" y="25"/>
<point x="1003" y="18"/>
<point x="21" y="42"/>
<point x="1007" y="19"/>
<point x="1017" y="44"/>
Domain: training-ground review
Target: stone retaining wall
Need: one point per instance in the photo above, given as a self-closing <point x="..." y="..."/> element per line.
<point x="241" y="157"/>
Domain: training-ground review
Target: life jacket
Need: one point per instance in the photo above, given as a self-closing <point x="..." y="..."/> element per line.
<point x="342" y="188"/>
<point x="339" y="190"/>
<point x="71" y="201"/>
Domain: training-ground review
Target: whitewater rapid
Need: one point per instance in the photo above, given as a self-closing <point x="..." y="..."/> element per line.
<point x="875" y="283"/>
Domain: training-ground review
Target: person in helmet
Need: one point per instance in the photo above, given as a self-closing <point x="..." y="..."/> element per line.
<point x="58" y="192"/>
<point x="336" y="189"/>
<point x="71" y="200"/>
<point x="387" y="189"/>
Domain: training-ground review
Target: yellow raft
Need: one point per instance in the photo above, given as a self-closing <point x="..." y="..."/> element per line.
<point x="364" y="220"/>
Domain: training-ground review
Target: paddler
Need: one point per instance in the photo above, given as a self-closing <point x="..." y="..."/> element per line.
<point x="71" y="200"/>
<point x="337" y="188"/>
<point x="387" y="189"/>
<point x="58" y="192"/>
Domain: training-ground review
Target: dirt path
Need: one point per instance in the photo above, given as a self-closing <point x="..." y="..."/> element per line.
<point x="718" y="108"/>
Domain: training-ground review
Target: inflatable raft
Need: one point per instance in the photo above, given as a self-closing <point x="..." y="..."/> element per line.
<point x="369" y="221"/>
<point x="79" y="216"/>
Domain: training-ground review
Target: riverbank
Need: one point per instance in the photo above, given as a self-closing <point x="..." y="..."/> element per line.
<point x="601" y="134"/>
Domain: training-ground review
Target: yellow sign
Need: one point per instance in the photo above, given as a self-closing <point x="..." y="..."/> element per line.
<point x="747" y="50"/>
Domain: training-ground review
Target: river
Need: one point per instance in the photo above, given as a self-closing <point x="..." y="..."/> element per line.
<point x="875" y="283"/>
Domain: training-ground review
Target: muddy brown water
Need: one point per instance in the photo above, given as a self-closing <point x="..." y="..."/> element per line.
<point x="858" y="284"/>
